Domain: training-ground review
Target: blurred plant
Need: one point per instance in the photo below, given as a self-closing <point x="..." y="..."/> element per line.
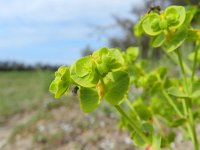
<point x="164" y="102"/>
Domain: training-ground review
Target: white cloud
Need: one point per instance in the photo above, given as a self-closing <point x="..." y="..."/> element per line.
<point x="25" y="24"/>
<point x="48" y="12"/>
<point x="24" y="36"/>
<point x="59" y="10"/>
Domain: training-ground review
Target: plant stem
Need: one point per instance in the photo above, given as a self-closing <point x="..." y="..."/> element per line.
<point x="195" y="61"/>
<point x="133" y="125"/>
<point x="182" y="70"/>
<point x="174" y="58"/>
<point x="171" y="102"/>
<point x="190" y="124"/>
<point x="132" y="108"/>
<point x="184" y="106"/>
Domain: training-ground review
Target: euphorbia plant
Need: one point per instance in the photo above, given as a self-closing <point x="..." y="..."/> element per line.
<point x="163" y="102"/>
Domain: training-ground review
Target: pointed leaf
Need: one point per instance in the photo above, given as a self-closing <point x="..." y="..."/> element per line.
<point x="142" y="110"/>
<point x="174" y="91"/>
<point x="138" y="141"/>
<point x="131" y="54"/>
<point x="175" y="40"/>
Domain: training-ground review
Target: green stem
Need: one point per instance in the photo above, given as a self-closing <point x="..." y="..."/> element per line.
<point x="195" y="61"/>
<point x="133" y="125"/>
<point x="192" y="126"/>
<point x="171" y="102"/>
<point x="132" y="108"/>
<point x="180" y="61"/>
<point x="184" y="106"/>
<point x="182" y="70"/>
<point x="189" y="115"/>
<point x="174" y="58"/>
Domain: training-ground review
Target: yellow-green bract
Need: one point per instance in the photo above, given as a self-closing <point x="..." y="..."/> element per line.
<point x="83" y="72"/>
<point x="61" y="83"/>
<point x="167" y="27"/>
<point x="102" y="75"/>
<point x="108" y="60"/>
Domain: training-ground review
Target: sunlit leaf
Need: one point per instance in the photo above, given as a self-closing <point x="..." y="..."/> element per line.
<point x="175" y="40"/>
<point x="61" y="83"/>
<point x="89" y="99"/>
<point x="131" y="54"/>
<point x="116" y="86"/>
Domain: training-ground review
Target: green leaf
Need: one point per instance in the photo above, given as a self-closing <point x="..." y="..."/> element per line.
<point x="193" y="35"/>
<point x="138" y="141"/>
<point x="83" y="66"/>
<point x="142" y="110"/>
<point x="161" y="71"/>
<point x="83" y="72"/>
<point x="151" y="24"/>
<point x="61" y="83"/>
<point x="168" y="139"/>
<point x="192" y="55"/>
<point x="147" y="129"/>
<point x="171" y="137"/>
<point x="156" y="87"/>
<point x="175" y="16"/>
<point x="89" y="99"/>
<point x="131" y="54"/>
<point x="191" y="10"/>
<point x="116" y="86"/>
<point x="174" y="91"/>
<point x="158" y="72"/>
<point x="116" y="59"/>
<point x="158" y="40"/>
<point x="138" y="29"/>
<point x="156" y="142"/>
<point x="175" y="39"/>
<point x="196" y="90"/>
<point x="178" y="122"/>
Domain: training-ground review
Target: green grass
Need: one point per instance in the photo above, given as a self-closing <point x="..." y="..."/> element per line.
<point x="21" y="91"/>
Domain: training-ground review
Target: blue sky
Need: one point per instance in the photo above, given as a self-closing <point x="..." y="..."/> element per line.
<point x="54" y="31"/>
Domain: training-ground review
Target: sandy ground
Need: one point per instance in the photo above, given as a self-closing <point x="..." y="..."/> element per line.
<point x="65" y="127"/>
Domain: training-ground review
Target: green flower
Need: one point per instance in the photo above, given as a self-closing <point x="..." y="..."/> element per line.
<point x="153" y="23"/>
<point x="83" y="72"/>
<point x="175" y="16"/>
<point x="108" y="60"/>
<point x="61" y="83"/>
